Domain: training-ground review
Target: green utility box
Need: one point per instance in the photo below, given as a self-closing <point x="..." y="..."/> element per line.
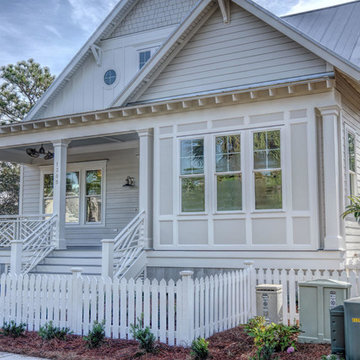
<point x="337" y="330"/>
<point x="352" y="328"/>
<point x="316" y="298"/>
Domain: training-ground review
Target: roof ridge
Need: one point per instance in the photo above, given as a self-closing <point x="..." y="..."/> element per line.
<point x="320" y="9"/>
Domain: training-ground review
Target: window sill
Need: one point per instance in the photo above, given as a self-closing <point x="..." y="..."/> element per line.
<point x="269" y="211"/>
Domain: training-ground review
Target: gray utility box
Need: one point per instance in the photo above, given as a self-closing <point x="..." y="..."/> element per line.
<point x="352" y="328"/>
<point x="269" y="302"/>
<point x="316" y="298"/>
<point x="337" y="330"/>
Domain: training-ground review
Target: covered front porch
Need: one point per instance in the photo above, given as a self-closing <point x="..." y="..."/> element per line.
<point x="91" y="190"/>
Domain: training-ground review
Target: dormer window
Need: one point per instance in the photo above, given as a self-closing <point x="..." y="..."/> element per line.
<point x="144" y="57"/>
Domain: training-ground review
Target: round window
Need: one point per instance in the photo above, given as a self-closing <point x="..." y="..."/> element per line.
<point x="110" y="77"/>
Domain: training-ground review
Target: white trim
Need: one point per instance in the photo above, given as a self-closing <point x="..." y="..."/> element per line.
<point x="352" y="131"/>
<point x="80" y="167"/>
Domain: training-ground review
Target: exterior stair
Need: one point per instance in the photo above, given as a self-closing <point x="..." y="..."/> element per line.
<point x="60" y="262"/>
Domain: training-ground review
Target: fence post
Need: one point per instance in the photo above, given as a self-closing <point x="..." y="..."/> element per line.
<point x="185" y="333"/>
<point x="252" y="286"/>
<point x="107" y="258"/>
<point x="16" y="256"/>
<point x="76" y="300"/>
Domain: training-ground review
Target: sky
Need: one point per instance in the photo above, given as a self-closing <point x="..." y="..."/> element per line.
<point x="52" y="31"/>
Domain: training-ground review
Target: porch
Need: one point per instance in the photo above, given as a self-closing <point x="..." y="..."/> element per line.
<point x="88" y="192"/>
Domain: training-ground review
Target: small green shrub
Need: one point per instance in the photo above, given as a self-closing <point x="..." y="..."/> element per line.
<point x="49" y="331"/>
<point x="200" y="349"/>
<point x="96" y="336"/>
<point x="270" y="338"/>
<point x="143" y="336"/>
<point x="13" y="330"/>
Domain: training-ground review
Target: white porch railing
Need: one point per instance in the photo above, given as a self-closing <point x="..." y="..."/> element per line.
<point x="31" y="239"/>
<point x="128" y="245"/>
<point x="18" y="227"/>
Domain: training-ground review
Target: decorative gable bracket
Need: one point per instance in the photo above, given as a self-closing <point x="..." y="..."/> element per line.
<point x="97" y="52"/>
<point x="225" y="10"/>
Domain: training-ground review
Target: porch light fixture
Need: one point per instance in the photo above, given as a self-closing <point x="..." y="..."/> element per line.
<point x="130" y="181"/>
<point x="41" y="153"/>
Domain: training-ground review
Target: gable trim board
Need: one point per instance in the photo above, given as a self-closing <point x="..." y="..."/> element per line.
<point x="144" y="79"/>
<point x="120" y="11"/>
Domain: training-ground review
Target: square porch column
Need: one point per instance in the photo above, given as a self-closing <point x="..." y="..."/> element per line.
<point x="60" y="163"/>
<point x="331" y="163"/>
<point x="146" y="160"/>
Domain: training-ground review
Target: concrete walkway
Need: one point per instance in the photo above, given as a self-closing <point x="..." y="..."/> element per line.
<point x="8" y="356"/>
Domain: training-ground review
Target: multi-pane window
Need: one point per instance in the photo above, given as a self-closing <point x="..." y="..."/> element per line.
<point x="83" y="197"/>
<point x="267" y="170"/>
<point x="192" y="177"/>
<point x="144" y="57"/>
<point x="228" y="173"/>
<point x="351" y="163"/>
<point x="93" y="196"/>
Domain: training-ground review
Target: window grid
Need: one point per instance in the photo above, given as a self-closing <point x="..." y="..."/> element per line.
<point x="144" y="57"/>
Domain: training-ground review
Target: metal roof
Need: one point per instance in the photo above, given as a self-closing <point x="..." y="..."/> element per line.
<point x="337" y="28"/>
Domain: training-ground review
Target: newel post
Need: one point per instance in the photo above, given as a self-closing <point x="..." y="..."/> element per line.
<point x="16" y="257"/>
<point x="107" y="258"/>
<point x="76" y="300"/>
<point x="186" y="323"/>
<point x="251" y="286"/>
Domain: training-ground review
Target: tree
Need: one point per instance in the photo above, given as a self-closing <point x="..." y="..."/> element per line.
<point x="21" y="86"/>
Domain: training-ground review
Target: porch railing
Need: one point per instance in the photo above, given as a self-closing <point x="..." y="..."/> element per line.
<point x="31" y="239"/>
<point x="129" y="245"/>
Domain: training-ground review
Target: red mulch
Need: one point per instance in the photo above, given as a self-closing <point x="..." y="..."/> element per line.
<point x="228" y="345"/>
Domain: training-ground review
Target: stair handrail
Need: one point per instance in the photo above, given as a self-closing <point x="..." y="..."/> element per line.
<point x="129" y="244"/>
<point x="38" y="244"/>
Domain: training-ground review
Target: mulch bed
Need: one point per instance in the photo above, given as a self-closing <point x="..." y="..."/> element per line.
<point x="228" y="345"/>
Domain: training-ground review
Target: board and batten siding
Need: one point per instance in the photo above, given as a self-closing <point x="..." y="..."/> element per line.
<point x="121" y="202"/>
<point x="350" y="121"/>
<point x="295" y="227"/>
<point x="246" y="51"/>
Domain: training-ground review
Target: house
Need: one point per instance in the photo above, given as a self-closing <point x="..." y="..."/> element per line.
<point x="197" y="134"/>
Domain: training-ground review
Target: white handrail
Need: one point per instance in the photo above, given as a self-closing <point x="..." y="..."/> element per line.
<point x="129" y="244"/>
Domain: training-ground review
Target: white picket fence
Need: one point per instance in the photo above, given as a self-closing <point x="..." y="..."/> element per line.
<point x="290" y="278"/>
<point x="175" y="312"/>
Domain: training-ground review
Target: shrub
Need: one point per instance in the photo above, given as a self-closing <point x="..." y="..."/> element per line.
<point x="270" y="338"/>
<point x="96" y="336"/>
<point x="200" y="349"/>
<point x="13" y="330"/>
<point x="143" y="336"/>
<point x="49" y="331"/>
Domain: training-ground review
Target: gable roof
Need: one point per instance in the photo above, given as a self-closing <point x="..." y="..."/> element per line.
<point x="177" y="41"/>
<point x="336" y="28"/>
<point x="142" y="81"/>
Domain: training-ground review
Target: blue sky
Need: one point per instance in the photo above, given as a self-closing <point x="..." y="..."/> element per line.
<point x="52" y="31"/>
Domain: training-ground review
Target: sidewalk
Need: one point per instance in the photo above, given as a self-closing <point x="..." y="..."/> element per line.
<point x="8" y="356"/>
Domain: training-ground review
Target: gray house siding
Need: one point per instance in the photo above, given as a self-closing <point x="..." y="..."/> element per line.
<point x="246" y="51"/>
<point x="121" y="202"/>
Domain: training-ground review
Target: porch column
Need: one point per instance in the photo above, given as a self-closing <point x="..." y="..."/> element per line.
<point x="60" y="162"/>
<point x="331" y="167"/>
<point x="146" y="149"/>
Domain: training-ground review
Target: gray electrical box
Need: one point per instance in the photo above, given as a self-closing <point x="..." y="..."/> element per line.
<point x="352" y="328"/>
<point x="269" y="302"/>
<point x="337" y="330"/>
<point x="316" y="298"/>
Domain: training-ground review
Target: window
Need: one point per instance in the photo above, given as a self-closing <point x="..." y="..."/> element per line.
<point x="267" y="170"/>
<point x="228" y="173"/>
<point x="84" y="194"/>
<point x="110" y="77"/>
<point x="192" y="176"/>
<point x="351" y="163"/>
<point x="144" y="57"/>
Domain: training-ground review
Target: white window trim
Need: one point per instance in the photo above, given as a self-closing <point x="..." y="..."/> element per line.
<point x="282" y="168"/>
<point x="81" y="167"/>
<point x="215" y="173"/>
<point x="180" y="176"/>
<point x="349" y="130"/>
<point x="152" y="50"/>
